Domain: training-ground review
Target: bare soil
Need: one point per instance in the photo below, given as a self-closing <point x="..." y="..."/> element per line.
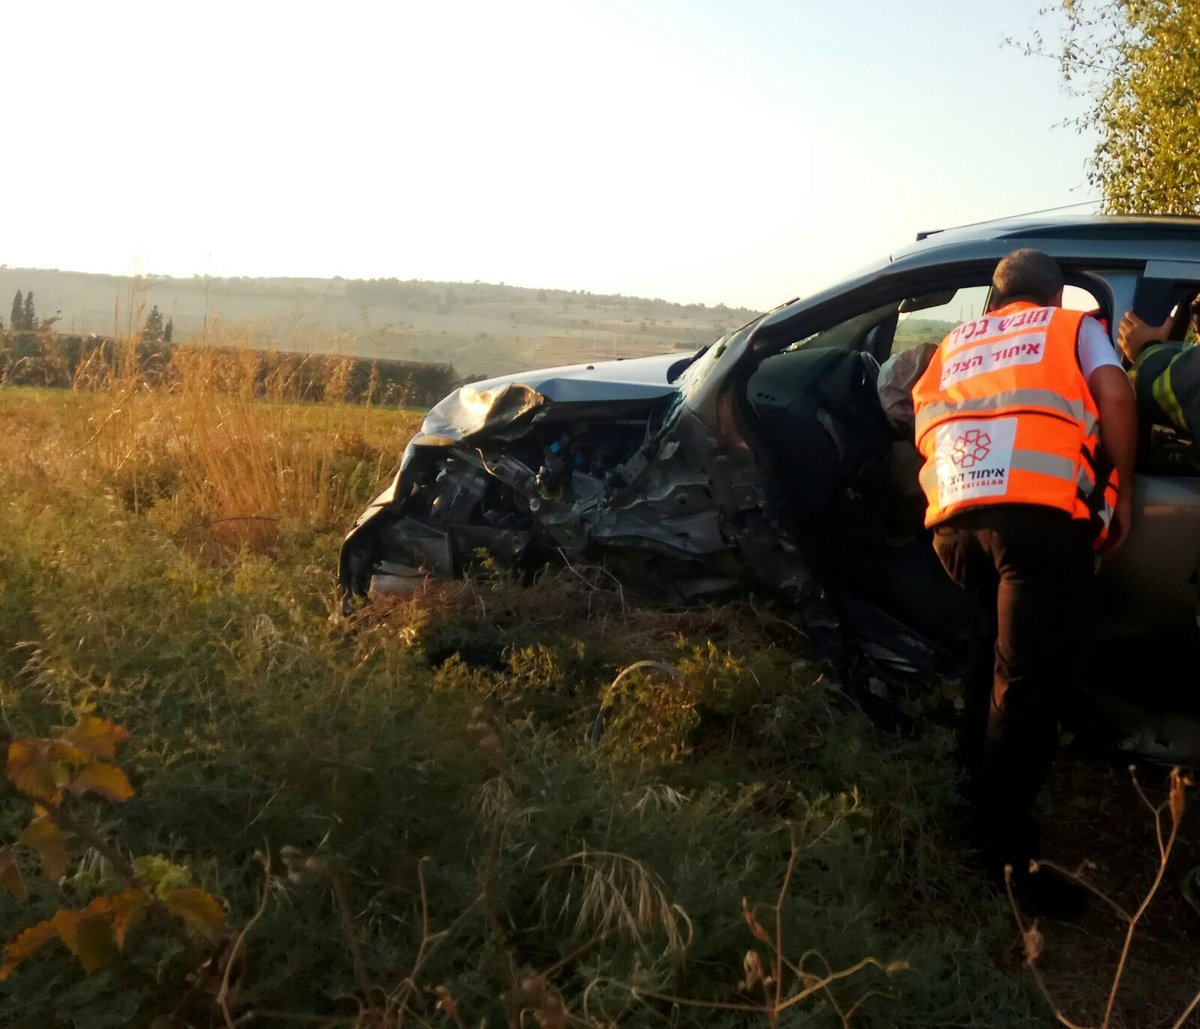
<point x="1096" y="823"/>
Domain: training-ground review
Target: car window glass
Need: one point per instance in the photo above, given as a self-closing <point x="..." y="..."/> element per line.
<point x="849" y="334"/>
<point x="931" y="324"/>
<point x="1181" y="324"/>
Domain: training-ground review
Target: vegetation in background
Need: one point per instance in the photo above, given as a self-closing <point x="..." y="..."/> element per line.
<point x="483" y="329"/>
<point x="23" y="317"/>
<point x="402" y="817"/>
<point x="45" y="358"/>
<point x="1138" y="64"/>
<point x="154" y="330"/>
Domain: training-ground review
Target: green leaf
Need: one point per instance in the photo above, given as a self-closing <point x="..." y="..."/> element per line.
<point x="161" y="875"/>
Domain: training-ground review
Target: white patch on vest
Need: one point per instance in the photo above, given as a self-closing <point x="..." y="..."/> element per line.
<point x="990" y="325"/>
<point x="1028" y="348"/>
<point x="974" y="458"/>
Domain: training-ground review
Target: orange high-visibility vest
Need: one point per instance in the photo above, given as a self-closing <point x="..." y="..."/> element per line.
<point x="1004" y="416"/>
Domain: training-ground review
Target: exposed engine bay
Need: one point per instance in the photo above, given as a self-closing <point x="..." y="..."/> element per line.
<point x="548" y="488"/>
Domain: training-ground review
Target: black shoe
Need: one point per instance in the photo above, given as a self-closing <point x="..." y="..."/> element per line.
<point x="1047" y="893"/>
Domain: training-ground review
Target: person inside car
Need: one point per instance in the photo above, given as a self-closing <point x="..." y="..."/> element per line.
<point x="1165" y="368"/>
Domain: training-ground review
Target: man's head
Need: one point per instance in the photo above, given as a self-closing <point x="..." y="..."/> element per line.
<point x="1027" y="274"/>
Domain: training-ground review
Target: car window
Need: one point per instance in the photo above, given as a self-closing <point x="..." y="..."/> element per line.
<point x="931" y="324"/>
<point x="1181" y="321"/>
<point x="850" y="334"/>
<point x="908" y="322"/>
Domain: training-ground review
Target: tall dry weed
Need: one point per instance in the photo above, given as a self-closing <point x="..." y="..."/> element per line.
<point x="248" y="441"/>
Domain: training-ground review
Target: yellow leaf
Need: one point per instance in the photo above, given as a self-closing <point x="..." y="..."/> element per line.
<point x="202" y="911"/>
<point x="10" y="876"/>
<point x="43" y="836"/>
<point x="24" y="944"/>
<point x="31" y="770"/>
<point x="107" y="780"/>
<point x="126" y="910"/>
<point x="88" y="936"/>
<point x="97" y="736"/>
<point x="63" y="752"/>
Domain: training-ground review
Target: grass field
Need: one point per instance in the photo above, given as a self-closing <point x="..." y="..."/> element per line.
<point x="402" y="816"/>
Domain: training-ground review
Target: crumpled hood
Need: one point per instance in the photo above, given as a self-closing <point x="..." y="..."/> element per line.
<point x="498" y="402"/>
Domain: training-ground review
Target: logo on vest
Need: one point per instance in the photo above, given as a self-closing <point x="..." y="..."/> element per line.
<point x="974" y="458"/>
<point x="971" y="448"/>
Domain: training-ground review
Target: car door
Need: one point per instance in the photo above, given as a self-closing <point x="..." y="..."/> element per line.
<point x="1152" y="586"/>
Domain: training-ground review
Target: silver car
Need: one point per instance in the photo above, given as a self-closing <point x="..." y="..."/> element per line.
<point x="766" y="458"/>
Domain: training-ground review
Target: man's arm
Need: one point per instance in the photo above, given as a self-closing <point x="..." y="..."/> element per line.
<point x="1118" y="438"/>
<point x="1133" y="334"/>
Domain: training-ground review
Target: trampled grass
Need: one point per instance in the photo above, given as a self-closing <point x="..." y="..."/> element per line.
<point x="410" y="798"/>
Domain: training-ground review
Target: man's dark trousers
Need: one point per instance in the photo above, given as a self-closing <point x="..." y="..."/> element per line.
<point x="1030" y="568"/>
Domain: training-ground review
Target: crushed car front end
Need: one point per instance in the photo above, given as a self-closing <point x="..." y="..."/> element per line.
<point x="542" y="466"/>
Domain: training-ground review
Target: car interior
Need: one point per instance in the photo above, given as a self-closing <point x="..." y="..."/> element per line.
<point x="1163" y="449"/>
<point x="845" y="476"/>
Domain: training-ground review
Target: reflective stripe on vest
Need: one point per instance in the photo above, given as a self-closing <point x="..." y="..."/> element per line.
<point x="1166" y="378"/>
<point x="1164" y="396"/>
<point x="1037" y="399"/>
<point x="1003" y="415"/>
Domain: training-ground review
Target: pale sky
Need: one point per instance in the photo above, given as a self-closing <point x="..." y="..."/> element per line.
<point x="696" y="150"/>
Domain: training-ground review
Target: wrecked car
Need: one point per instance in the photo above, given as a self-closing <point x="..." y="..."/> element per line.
<point x="766" y="456"/>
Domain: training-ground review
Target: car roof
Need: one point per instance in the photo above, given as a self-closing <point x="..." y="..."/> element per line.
<point x="1134" y="237"/>
<point x="1114" y="240"/>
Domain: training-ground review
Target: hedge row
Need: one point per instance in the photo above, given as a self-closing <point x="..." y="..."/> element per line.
<point x="65" y="361"/>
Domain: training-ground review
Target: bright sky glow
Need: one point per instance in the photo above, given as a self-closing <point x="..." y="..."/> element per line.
<point x="696" y="150"/>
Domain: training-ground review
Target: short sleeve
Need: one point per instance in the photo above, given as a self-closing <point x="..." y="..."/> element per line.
<point x="1095" y="348"/>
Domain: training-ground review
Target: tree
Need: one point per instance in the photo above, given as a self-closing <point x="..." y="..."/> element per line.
<point x="1138" y="63"/>
<point x="28" y="314"/>
<point x="169" y="331"/>
<point x="14" y="319"/>
<point x="153" y="329"/>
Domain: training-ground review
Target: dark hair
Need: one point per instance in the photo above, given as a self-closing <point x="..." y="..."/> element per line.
<point x="1026" y="274"/>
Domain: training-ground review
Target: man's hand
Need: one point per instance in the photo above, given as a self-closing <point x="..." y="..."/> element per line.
<point x="1133" y="334"/>
<point x="1118" y="439"/>
<point x="1122" y="521"/>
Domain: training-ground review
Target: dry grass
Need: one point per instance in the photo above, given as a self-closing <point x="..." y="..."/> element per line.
<point x="592" y="852"/>
<point x="614" y="895"/>
<point x="222" y="440"/>
<point x="1093" y="975"/>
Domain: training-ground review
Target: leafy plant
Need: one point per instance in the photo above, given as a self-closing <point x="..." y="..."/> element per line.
<point x="75" y="763"/>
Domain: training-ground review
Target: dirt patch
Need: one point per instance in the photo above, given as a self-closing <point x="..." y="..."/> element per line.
<point x="1095" y="821"/>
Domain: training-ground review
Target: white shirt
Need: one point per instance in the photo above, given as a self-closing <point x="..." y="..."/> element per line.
<point x="1095" y="349"/>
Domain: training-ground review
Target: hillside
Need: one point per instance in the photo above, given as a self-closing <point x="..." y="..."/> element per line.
<point x="480" y="328"/>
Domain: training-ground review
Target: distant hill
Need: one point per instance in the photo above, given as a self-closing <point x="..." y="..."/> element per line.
<point x="480" y="328"/>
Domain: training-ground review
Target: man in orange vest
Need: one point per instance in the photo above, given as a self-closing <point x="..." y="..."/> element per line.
<point x="1028" y="427"/>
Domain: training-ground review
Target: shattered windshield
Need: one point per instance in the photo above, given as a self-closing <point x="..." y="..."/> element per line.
<point x="700" y="369"/>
